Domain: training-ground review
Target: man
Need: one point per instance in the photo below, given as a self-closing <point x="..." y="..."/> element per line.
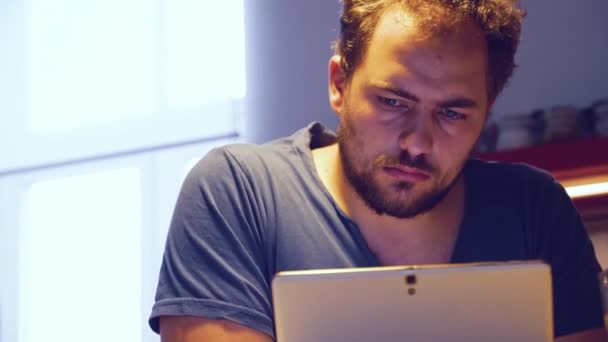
<point x="412" y="82"/>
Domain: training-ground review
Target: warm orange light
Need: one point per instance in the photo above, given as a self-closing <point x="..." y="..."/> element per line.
<point x="587" y="189"/>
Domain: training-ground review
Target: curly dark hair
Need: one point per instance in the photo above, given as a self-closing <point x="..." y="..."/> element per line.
<point x="500" y="21"/>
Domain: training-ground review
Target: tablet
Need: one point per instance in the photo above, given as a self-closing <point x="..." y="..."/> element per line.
<point x="506" y="301"/>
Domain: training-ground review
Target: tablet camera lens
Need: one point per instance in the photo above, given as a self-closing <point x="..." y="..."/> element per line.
<point x="410" y="279"/>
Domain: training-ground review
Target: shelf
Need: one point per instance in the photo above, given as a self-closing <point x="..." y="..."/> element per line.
<point x="566" y="160"/>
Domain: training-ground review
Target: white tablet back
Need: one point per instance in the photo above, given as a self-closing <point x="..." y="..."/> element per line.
<point x="459" y="302"/>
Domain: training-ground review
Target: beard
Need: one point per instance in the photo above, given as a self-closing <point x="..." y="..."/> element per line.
<point x="398" y="199"/>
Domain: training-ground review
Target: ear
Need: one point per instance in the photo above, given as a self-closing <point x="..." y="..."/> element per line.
<point x="337" y="85"/>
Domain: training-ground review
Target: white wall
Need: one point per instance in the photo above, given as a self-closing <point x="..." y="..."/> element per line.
<point x="288" y="48"/>
<point x="563" y="56"/>
<point x="563" y="59"/>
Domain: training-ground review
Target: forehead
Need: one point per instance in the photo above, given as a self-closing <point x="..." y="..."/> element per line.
<point x="400" y="50"/>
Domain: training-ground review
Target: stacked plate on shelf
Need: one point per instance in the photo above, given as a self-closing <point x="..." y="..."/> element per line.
<point x="515" y="131"/>
<point x="563" y="123"/>
<point x="600" y="111"/>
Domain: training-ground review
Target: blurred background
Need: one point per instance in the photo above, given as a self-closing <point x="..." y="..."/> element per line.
<point x="106" y="105"/>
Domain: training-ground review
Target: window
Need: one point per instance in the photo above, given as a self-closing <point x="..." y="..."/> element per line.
<point x="79" y="257"/>
<point x="90" y="77"/>
<point x="104" y="106"/>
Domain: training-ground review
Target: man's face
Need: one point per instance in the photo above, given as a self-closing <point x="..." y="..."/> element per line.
<point x="411" y="114"/>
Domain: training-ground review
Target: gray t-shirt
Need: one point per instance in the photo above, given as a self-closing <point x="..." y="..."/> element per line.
<point x="246" y="212"/>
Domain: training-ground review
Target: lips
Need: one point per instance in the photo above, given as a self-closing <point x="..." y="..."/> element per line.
<point x="406" y="174"/>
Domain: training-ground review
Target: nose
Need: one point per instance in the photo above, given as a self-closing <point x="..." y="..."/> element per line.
<point x="417" y="137"/>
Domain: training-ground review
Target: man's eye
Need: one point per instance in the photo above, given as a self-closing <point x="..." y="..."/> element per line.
<point x="452" y="115"/>
<point x="391" y="102"/>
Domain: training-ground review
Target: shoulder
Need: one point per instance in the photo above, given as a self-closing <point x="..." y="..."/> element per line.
<point x="509" y="177"/>
<point x="279" y="158"/>
<point x="248" y="160"/>
<point x="518" y="192"/>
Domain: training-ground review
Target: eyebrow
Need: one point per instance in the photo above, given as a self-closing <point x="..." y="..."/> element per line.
<point x="459" y="102"/>
<point x="456" y="102"/>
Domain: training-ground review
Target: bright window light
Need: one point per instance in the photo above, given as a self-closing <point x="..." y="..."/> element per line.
<point x="89" y="62"/>
<point x="206" y="51"/>
<point x="80" y="259"/>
